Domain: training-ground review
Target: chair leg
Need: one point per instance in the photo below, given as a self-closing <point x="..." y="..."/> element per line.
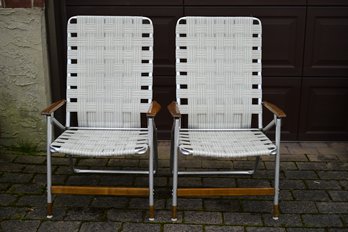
<point x="175" y="169"/>
<point x="49" y="168"/>
<point x="276" y="211"/>
<point x="151" y="170"/>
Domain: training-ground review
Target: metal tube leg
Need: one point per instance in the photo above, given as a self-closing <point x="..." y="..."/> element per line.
<point x="175" y="170"/>
<point x="49" y="168"/>
<point x="151" y="171"/>
<point x="276" y="211"/>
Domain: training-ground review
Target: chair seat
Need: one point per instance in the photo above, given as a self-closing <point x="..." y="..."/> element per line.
<point x="223" y="143"/>
<point x="101" y="143"/>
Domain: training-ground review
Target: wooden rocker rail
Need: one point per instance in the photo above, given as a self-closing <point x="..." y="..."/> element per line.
<point x="90" y="190"/>
<point x="218" y="192"/>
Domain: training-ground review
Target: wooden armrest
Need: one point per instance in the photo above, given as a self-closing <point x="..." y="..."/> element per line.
<point x="154" y="109"/>
<point x="174" y="110"/>
<point x="53" y="107"/>
<point x="274" y="109"/>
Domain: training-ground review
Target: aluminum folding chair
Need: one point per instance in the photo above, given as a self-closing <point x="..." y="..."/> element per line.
<point x="218" y="90"/>
<point x="109" y="88"/>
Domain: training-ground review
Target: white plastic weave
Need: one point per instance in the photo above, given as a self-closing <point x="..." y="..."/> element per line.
<point x="218" y="62"/>
<point x="109" y="81"/>
<point x="101" y="143"/>
<point x="225" y="143"/>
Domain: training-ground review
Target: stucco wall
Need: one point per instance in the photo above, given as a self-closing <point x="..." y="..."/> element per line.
<point x="23" y="77"/>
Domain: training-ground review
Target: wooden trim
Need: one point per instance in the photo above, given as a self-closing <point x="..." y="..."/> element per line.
<point x="53" y="107"/>
<point x="49" y="209"/>
<point x="274" y="109"/>
<point x="154" y="109"/>
<point x="217" y="192"/>
<point x="91" y="190"/>
<point x="174" y="215"/>
<point x="276" y="211"/>
<point x="151" y="212"/>
<point x="174" y="110"/>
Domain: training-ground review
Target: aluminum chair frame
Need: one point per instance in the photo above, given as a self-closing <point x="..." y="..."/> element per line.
<point x="106" y="29"/>
<point x="185" y="29"/>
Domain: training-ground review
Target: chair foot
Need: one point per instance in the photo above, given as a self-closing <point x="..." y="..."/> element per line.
<point x="174" y="217"/>
<point x="49" y="210"/>
<point x="151" y="213"/>
<point x="276" y="212"/>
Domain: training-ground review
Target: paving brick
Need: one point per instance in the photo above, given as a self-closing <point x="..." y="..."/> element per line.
<point x="218" y="182"/>
<point x="292" y="184"/>
<point x="10" y="167"/>
<point x="182" y="228"/>
<point x="285" y="220"/>
<point x="40" y="213"/>
<point x="314" y="195"/>
<point x="7" y="199"/>
<point x="333" y="175"/>
<point x="201" y="217"/>
<point x="123" y="163"/>
<point x="321" y="157"/>
<point x="85" y="180"/>
<point x="143" y="181"/>
<point x="30" y="159"/>
<point x="93" y="162"/>
<point x="242" y="219"/>
<point x="253" y="183"/>
<point x="257" y="206"/>
<point x="124" y="215"/>
<point x="224" y="229"/>
<point x="338" y="230"/>
<point x="27" y="188"/>
<point x="283" y="165"/>
<point x="264" y="229"/>
<point x="140" y="227"/>
<point x="312" y="165"/>
<point x="100" y="226"/>
<point x="15" y="213"/>
<point x="59" y="226"/>
<point x="32" y="200"/>
<point x="300" y="175"/>
<point x="164" y="216"/>
<point x="110" y="202"/>
<point x="298" y="207"/>
<point x="222" y="205"/>
<point x="143" y="203"/>
<point x="320" y="220"/>
<point x="35" y="169"/>
<point x="338" y="166"/>
<point x="8" y="177"/>
<point x="332" y="207"/>
<point x="344" y="184"/>
<point x="116" y="180"/>
<point x="20" y="225"/>
<point x="323" y="184"/>
<point x="84" y="214"/>
<point x="305" y="230"/>
<point x="72" y="200"/>
<point x="188" y="204"/>
<point x="339" y="195"/>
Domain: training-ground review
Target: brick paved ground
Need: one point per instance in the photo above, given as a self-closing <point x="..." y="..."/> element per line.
<point x="314" y="195"/>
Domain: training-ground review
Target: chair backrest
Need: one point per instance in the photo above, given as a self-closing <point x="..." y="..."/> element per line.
<point x="109" y="70"/>
<point x="218" y="71"/>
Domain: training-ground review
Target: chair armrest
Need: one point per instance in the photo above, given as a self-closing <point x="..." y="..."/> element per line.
<point x="53" y="107"/>
<point x="274" y="109"/>
<point x="174" y="110"/>
<point x="153" y="110"/>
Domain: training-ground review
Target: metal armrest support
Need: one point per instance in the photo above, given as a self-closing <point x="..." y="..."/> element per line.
<point x="53" y="107"/>
<point x="174" y="110"/>
<point x="274" y="109"/>
<point x="154" y="109"/>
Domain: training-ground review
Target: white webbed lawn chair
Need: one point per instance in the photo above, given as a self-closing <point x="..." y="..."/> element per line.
<point x="109" y="87"/>
<point x="218" y="79"/>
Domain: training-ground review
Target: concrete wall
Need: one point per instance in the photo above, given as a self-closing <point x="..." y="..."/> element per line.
<point x="24" y="77"/>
